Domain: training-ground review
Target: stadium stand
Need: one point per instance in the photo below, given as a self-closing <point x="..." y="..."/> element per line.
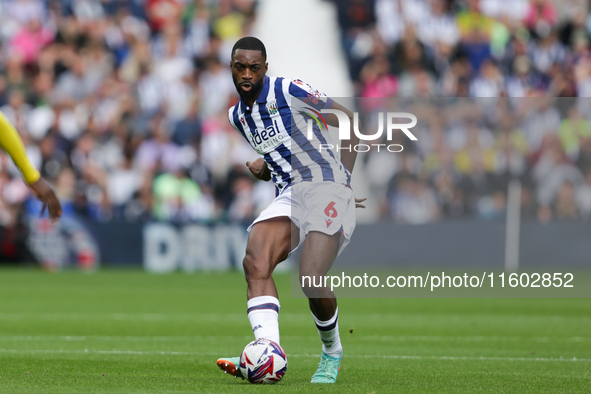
<point x="123" y="105"/>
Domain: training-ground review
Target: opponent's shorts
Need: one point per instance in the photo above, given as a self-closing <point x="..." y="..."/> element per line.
<point x="327" y="207"/>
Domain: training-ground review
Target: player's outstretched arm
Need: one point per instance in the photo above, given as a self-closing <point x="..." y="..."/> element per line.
<point x="12" y="144"/>
<point x="259" y="169"/>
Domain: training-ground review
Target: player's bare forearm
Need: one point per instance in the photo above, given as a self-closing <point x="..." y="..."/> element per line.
<point x="259" y="169"/>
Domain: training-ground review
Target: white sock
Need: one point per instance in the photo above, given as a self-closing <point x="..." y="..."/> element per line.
<point x="263" y="314"/>
<point x="329" y="334"/>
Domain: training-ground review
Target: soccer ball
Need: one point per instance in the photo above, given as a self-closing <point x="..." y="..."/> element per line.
<point x="263" y="362"/>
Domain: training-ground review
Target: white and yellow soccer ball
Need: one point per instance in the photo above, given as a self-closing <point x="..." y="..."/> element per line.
<point x="263" y="362"/>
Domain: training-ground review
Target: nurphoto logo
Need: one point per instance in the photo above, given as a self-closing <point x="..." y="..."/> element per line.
<point x="391" y="120"/>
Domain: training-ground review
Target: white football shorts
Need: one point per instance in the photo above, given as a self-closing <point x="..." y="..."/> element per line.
<point x="327" y="207"/>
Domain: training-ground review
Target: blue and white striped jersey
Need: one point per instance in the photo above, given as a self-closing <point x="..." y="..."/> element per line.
<point x="276" y="127"/>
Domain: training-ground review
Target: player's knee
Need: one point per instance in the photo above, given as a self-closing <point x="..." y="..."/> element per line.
<point x="284" y="254"/>
<point x="256" y="266"/>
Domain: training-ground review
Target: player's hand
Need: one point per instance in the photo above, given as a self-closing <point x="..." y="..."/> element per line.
<point x="46" y="195"/>
<point x="259" y="169"/>
<point x="358" y="202"/>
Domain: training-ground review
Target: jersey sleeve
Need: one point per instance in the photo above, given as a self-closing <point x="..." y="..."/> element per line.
<point x="231" y="119"/>
<point x="13" y="145"/>
<point x="309" y="96"/>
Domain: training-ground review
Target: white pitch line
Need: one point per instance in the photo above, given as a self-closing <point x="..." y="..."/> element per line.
<point x="415" y="338"/>
<point x="367" y="356"/>
<point x="471" y="358"/>
<point x="240" y="316"/>
<point x="114" y="352"/>
<point x="439" y="338"/>
<point x="81" y="338"/>
<point x="120" y="316"/>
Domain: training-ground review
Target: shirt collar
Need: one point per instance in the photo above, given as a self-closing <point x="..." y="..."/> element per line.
<point x="262" y="98"/>
<point x="264" y="91"/>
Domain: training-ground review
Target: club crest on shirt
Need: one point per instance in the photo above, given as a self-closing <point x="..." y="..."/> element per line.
<point x="272" y="107"/>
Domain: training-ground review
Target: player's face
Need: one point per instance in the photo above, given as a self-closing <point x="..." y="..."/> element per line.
<point x="248" y="72"/>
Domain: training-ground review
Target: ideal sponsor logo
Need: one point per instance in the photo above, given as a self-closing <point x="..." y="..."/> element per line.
<point x="264" y="140"/>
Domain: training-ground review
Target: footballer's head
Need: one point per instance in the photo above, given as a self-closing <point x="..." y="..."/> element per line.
<point x="249" y="66"/>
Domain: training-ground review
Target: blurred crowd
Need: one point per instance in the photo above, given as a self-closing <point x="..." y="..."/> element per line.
<point x="468" y="152"/>
<point x="478" y="48"/>
<point x="122" y="104"/>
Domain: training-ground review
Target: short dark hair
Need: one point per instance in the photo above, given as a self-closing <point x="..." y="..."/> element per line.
<point x="250" y="44"/>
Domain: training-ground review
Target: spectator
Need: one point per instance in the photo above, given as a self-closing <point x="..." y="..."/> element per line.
<point x="178" y="198"/>
<point x="188" y="130"/>
<point x="17" y="109"/>
<point x="547" y="52"/>
<point x="565" y="204"/>
<point x="27" y="43"/>
<point x="377" y="80"/>
<point x="541" y="16"/>
<point x="414" y="203"/>
<point x="583" y="196"/>
<point x="489" y="82"/>
<point x="161" y="12"/>
<point x="158" y="153"/>
<point x="77" y="83"/>
<point x="439" y="25"/>
<point x="354" y="17"/>
<point x="122" y="184"/>
<point x="551" y="170"/>
<point x="572" y="130"/>
<point x="242" y="207"/>
<point x="476" y="32"/>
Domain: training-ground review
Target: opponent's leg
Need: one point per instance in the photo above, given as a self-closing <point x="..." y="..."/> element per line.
<point x="269" y="243"/>
<point x="319" y="252"/>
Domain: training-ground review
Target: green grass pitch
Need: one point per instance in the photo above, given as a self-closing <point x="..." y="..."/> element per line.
<point x="132" y="332"/>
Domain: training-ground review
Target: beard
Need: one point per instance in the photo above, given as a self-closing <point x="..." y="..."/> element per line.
<point x="254" y="90"/>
